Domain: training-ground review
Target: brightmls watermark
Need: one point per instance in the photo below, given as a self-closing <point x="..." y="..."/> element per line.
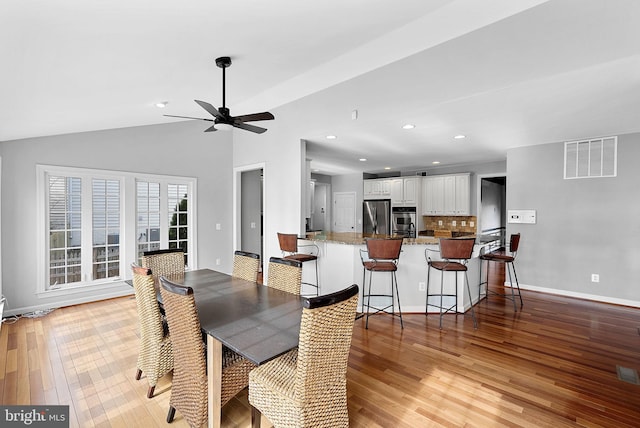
<point x="34" y="416"/>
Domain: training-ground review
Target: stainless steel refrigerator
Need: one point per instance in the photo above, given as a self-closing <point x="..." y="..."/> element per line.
<point x="376" y="216"/>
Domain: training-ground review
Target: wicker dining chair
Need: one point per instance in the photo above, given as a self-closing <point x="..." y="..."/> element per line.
<point x="189" y="388"/>
<point x="167" y="262"/>
<point x="285" y="275"/>
<point x="155" y="357"/>
<point x="307" y="387"/>
<point x="246" y="265"/>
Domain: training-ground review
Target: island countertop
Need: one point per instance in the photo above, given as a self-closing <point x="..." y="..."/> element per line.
<point x="353" y="238"/>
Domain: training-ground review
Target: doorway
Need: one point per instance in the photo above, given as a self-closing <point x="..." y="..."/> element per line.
<point x="492" y="210"/>
<point x="320" y="215"/>
<point x="249" y="209"/>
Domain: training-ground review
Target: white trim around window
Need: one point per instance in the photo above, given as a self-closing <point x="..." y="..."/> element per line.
<point x="128" y="244"/>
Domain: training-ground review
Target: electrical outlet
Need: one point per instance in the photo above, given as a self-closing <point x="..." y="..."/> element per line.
<point x="218" y="226"/>
<point x="471" y="224"/>
<point x="595" y="277"/>
<point x="253" y="225"/>
<point x="439" y="222"/>
<point x="217" y="262"/>
<point x="421" y="286"/>
<point x="454" y="223"/>
<point x="463" y="223"/>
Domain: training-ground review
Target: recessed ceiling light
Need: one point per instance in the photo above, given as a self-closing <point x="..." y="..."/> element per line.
<point x="387" y="167"/>
<point x="363" y="159"/>
<point x="162" y="104"/>
<point x="331" y="137"/>
<point x="435" y="162"/>
<point x="408" y="126"/>
<point x="460" y="137"/>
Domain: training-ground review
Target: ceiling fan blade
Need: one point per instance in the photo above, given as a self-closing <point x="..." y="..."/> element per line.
<point x="248" y="127"/>
<point x="211" y="129"/>
<point x="254" y="117"/>
<point x="188" y="117"/>
<point x="208" y="107"/>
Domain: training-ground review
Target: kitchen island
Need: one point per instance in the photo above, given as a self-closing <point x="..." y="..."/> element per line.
<point x="340" y="265"/>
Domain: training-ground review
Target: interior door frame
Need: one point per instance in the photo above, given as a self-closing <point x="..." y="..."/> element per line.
<point x="237" y="201"/>
<point x="480" y="177"/>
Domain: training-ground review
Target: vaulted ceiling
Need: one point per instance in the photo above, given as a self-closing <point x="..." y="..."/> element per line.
<point x="503" y="73"/>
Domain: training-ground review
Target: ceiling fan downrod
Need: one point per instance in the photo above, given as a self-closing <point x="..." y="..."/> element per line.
<point x="223" y="62"/>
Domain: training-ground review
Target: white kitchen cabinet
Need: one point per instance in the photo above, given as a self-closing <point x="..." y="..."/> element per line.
<point x="433" y="195"/>
<point x="379" y="188"/>
<point x="405" y="191"/>
<point x="463" y="194"/>
<point x="446" y="195"/>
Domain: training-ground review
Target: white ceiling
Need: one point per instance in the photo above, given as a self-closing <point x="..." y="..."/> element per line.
<point x="504" y="73"/>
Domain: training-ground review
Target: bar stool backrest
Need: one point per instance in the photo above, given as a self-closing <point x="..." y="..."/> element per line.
<point x="288" y="242"/>
<point x="384" y="249"/>
<point x="514" y="242"/>
<point x="456" y="248"/>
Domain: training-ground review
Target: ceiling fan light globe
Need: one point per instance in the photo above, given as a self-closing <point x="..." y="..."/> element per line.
<point x="223" y="127"/>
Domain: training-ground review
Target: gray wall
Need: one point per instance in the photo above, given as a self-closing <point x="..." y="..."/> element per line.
<point x="173" y="149"/>
<point x="584" y="226"/>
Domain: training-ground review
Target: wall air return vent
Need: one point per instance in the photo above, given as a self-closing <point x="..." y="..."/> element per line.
<point x="591" y="158"/>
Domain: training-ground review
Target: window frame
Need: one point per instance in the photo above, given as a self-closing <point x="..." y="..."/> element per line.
<point x="128" y="224"/>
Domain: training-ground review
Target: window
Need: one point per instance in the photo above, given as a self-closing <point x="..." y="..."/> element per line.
<point x="162" y="225"/>
<point x="95" y="223"/>
<point x="591" y="158"/>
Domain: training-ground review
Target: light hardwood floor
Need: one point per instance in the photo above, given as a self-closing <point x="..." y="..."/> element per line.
<point x="551" y="365"/>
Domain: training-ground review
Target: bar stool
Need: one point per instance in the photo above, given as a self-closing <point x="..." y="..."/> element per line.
<point x="455" y="254"/>
<point x="289" y="247"/>
<point x="381" y="256"/>
<point x="500" y="256"/>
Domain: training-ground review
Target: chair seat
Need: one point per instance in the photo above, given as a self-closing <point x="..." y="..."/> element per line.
<point x="493" y="257"/>
<point x="301" y="257"/>
<point x="448" y="266"/>
<point x="380" y="266"/>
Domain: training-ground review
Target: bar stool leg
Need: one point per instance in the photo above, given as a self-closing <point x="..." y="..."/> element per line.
<point x="395" y="279"/>
<point x="442" y="295"/>
<point x="513" y="297"/>
<point x="366" y="324"/>
<point x="513" y="266"/>
<point x="426" y="306"/>
<point x="473" y="313"/>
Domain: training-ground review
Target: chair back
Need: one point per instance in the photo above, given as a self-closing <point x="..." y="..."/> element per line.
<point x="288" y="242"/>
<point x="189" y="385"/>
<point x="246" y="266"/>
<point x="164" y="262"/>
<point x="514" y="242"/>
<point x="384" y="249"/>
<point x="325" y="339"/>
<point x="149" y="316"/>
<point x="456" y="248"/>
<point x="285" y="275"/>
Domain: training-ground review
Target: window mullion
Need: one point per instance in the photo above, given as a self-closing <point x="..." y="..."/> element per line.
<point x="87" y="230"/>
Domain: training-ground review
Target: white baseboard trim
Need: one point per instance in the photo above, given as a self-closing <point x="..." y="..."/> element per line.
<point x="585" y="296"/>
<point x="71" y="302"/>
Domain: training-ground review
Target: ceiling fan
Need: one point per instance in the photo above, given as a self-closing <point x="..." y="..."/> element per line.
<point x="222" y="118"/>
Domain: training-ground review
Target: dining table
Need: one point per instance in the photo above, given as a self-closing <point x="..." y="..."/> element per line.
<point x="256" y="321"/>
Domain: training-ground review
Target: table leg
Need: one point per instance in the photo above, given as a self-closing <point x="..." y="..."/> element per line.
<point x="214" y="380"/>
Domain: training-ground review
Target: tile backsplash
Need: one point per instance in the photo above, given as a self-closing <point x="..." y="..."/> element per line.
<point x="467" y="224"/>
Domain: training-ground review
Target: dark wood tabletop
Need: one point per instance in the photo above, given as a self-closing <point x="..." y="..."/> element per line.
<point x="256" y="321"/>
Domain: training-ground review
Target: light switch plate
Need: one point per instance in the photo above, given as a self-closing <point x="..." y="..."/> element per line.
<point x="521" y="216"/>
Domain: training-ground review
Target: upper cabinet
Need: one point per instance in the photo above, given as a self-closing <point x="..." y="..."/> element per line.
<point x="446" y="195"/>
<point x="405" y="191"/>
<point x="379" y="188"/>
